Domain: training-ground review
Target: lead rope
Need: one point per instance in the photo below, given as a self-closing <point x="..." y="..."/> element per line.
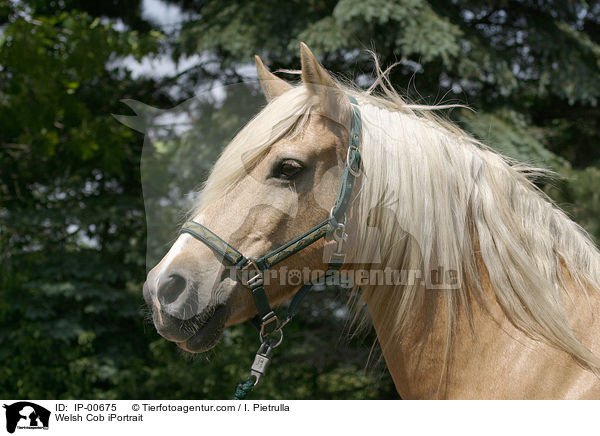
<point x="242" y="389"/>
<point x="268" y="343"/>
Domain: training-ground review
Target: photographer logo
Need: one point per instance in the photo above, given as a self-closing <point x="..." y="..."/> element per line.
<point x="26" y="415"/>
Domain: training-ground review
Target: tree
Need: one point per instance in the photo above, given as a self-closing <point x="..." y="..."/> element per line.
<point x="73" y="226"/>
<point x="529" y="69"/>
<point x="71" y="213"/>
<point x="72" y="222"/>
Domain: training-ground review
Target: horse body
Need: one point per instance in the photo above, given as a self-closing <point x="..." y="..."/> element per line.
<point x="489" y="357"/>
<point x="516" y="320"/>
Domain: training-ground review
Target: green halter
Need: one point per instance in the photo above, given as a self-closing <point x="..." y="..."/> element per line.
<point x="333" y="227"/>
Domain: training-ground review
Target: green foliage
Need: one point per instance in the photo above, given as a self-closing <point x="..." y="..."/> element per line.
<point x="579" y="196"/>
<point x="72" y="222"/>
<point x="530" y="69"/>
<point x="512" y="135"/>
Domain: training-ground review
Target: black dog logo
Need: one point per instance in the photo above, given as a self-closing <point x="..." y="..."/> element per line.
<point x="27" y="415"/>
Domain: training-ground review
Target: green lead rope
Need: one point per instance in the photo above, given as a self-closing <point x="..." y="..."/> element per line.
<point x="242" y="389"/>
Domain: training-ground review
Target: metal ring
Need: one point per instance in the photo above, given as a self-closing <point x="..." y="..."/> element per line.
<point x="339" y="233"/>
<point x="262" y="339"/>
<point x="331" y="215"/>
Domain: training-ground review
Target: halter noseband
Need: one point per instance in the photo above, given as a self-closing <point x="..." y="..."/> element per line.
<point x="333" y="227"/>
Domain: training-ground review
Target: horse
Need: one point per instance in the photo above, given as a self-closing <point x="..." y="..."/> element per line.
<point x="513" y="314"/>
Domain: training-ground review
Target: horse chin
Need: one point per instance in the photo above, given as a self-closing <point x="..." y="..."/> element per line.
<point x="208" y="334"/>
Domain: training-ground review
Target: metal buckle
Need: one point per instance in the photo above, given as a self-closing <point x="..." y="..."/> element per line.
<point x="254" y="279"/>
<point x="340" y="236"/>
<point x="349" y="164"/>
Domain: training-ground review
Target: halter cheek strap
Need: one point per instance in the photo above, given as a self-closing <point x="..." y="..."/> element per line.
<point x="333" y="228"/>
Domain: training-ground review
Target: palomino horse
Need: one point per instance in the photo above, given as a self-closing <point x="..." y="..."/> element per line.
<point x="513" y="317"/>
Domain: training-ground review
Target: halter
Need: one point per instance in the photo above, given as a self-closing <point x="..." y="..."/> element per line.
<point x="333" y="227"/>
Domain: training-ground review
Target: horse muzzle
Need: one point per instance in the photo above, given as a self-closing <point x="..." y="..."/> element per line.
<point x="180" y="316"/>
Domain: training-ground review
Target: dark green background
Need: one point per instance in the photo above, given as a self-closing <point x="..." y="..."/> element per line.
<point x="72" y="225"/>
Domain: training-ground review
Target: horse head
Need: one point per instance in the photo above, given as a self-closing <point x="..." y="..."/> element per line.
<point x="277" y="178"/>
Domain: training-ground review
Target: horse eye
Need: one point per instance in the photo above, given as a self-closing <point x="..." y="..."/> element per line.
<point x="289" y="169"/>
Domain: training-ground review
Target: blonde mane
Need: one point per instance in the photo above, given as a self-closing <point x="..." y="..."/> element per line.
<point x="442" y="199"/>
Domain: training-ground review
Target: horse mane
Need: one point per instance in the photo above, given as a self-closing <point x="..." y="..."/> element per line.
<point x="444" y="200"/>
<point x="455" y="204"/>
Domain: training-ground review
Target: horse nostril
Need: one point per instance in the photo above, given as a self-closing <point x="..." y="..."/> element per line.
<point x="170" y="289"/>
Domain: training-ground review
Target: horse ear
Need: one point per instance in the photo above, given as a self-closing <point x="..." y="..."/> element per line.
<point x="318" y="81"/>
<point x="271" y="85"/>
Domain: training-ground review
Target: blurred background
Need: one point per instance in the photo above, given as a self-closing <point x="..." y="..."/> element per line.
<point x="72" y="218"/>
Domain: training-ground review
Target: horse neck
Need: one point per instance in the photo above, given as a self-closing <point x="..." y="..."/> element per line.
<point x="487" y="357"/>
